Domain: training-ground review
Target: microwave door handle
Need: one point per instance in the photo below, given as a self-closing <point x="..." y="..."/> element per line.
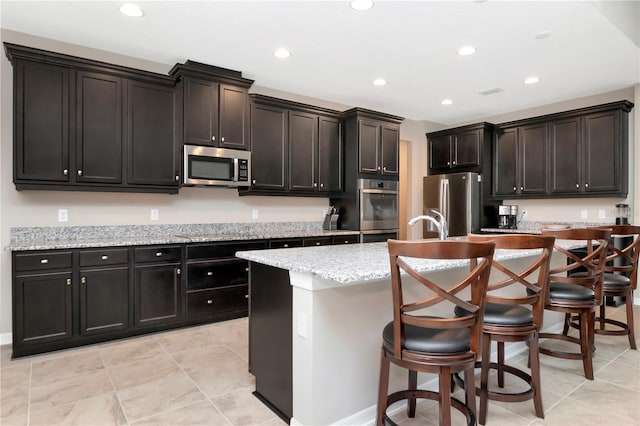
<point x="235" y="170"/>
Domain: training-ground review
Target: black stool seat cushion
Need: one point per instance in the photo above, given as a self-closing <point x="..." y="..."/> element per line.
<point x="568" y="291"/>
<point x="430" y="340"/>
<point x="609" y="279"/>
<point x="502" y="315"/>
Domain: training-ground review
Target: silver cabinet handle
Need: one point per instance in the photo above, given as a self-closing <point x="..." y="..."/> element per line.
<point x="65" y="172"/>
<point x="286" y="246"/>
<point x="384" y="169"/>
<point x="79" y="172"/>
<point x="514" y="188"/>
<point x="322" y="185"/>
<point x="44" y="261"/>
<point x="315" y="185"/>
<point x="209" y="274"/>
<point x="317" y="243"/>
<point x="522" y="188"/>
<point x="378" y="168"/>
<point x="448" y="163"/>
<point x="68" y="281"/>
<point x="104" y="257"/>
<point x="246" y="269"/>
<point x="178" y="271"/>
<point x="83" y="280"/>
<point x="158" y="253"/>
<point x="177" y="178"/>
<point x="253" y="181"/>
<point x="213" y="138"/>
<point x="246" y="296"/>
<point x="586" y="185"/>
<point x="454" y="163"/>
<point x="209" y="302"/>
<point x="222" y="139"/>
<point x="577" y="185"/>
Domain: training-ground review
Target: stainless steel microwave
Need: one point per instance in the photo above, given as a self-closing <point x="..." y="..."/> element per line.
<point x="210" y="166"/>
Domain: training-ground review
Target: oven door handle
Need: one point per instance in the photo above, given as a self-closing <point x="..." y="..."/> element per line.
<point x="378" y="191"/>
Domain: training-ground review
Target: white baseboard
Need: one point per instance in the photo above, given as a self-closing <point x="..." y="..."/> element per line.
<point x="6" y="338"/>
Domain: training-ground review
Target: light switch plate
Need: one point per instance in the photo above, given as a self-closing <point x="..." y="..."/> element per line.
<point x="584" y="214"/>
<point x="254" y="214"/>
<point x="154" y="214"/>
<point x="602" y="214"/>
<point x="63" y="215"/>
<point x="301" y="328"/>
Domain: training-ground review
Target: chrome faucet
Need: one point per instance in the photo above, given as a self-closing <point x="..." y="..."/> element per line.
<point x="441" y="225"/>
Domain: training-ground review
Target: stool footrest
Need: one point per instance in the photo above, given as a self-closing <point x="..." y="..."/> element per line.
<point x="425" y="394"/>
<point x="561" y="354"/>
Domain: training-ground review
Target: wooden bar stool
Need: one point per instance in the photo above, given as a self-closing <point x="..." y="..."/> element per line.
<point x="432" y="344"/>
<point x="577" y="294"/>
<point x="513" y="313"/>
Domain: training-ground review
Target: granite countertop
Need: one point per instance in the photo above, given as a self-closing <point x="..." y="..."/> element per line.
<point x="357" y="263"/>
<point x="526" y="227"/>
<point x="50" y="238"/>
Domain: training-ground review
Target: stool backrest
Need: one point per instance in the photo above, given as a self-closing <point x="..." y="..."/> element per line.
<point x="596" y="242"/>
<point x="534" y="276"/>
<point x="400" y="254"/>
<point x="624" y="259"/>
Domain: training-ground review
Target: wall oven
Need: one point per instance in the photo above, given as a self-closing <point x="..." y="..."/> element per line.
<point x="378" y="206"/>
<point x="216" y="166"/>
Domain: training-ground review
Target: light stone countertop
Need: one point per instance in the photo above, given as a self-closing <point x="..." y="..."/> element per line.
<point x="357" y="263"/>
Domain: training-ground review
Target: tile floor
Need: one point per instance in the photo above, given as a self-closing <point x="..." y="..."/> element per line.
<point x="198" y="376"/>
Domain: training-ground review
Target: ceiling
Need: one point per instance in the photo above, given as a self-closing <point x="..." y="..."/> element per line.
<point x="338" y="52"/>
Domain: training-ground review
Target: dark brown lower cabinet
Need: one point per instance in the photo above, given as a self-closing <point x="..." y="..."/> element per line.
<point x="104" y="300"/>
<point x="157" y="294"/>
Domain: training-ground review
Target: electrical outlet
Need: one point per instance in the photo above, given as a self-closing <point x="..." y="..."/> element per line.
<point x="301" y="328"/>
<point x="584" y="214"/>
<point x="602" y="214"/>
<point x="254" y="214"/>
<point x="63" y="215"/>
<point x="154" y="215"/>
<point x="524" y="214"/>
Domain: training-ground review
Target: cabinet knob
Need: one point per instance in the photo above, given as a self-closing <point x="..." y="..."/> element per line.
<point x="315" y="185"/>
<point x="454" y="163"/>
<point x="83" y="280"/>
<point x="522" y="188"/>
<point x="177" y="178"/>
<point x="378" y="168"/>
<point x="104" y="257"/>
<point x="317" y="243"/>
<point x="222" y="139"/>
<point x="246" y="296"/>
<point x="79" y="172"/>
<point x="65" y="172"/>
<point x="586" y="185"/>
<point x="44" y="261"/>
<point x="178" y="271"/>
<point x="246" y="269"/>
<point x="322" y="185"/>
<point x="286" y="246"/>
<point x="213" y="138"/>
<point x="577" y="185"/>
<point x="514" y="188"/>
<point x="209" y="302"/>
<point x="448" y="163"/>
<point x="253" y="181"/>
<point x="209" y="274"/>
<point x="68" y="281"/>
<point x="158" y="253"/>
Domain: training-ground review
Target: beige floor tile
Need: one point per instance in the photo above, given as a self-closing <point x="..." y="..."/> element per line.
<point x="63" y="366"/>
<point x="225" y="376"/>
<point x="14" y="403"/>
<point x="276" y="421"/>
<point x="69" y="389"/>
<point x="199" y="414"/>
<point x="99" y="410"/>
<point x="572" y="412"/>
<point x="5" y="358"/>
<point x="14" y="421"/>
<point x="14" y="390"/>
<point x="161" y="395"/>
<point x="206" y="357"/>
<point x="130" y="350"/>
<point x="242" y="408"/>
<point x="231" y="332"/>
<point x="177" y="341"/>
<point x="141" y="372"/>
<point x="622" y="373"/>
<point x="610" y="398"/>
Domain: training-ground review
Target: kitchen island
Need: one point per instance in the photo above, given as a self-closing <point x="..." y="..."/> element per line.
<point x="316" y="316"/>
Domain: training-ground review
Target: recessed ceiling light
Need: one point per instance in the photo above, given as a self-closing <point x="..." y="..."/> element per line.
<point x="446" y="102"/>
<point x="466" y="50"/>
<point x="542" y="34"/>
<point x="361" y="5"/>
<point x="281" y="53"/>
<point x="130" y="9"/>
<point x="379" y="82"/>
<point x="531" y="80"/>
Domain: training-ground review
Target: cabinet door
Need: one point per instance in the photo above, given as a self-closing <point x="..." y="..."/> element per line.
<point x="268" y="147"/>
<point x="533" y="159"/>
<point x="564" y="146"/>
<point x="303" y="148"/>
<point x="104" y="300"/>
<point x="200" y="111"/>
<point x="369" y="153"/>
<point x="41" y="122"/>
<point x="43" y="307"/>
<point x="505" y="167"/>
<point x="330" y="155"/>
<point x="99" y="128"/>
<point x="152" y="153"/>
<point x="467" y="148"/>
<point x="157" y="294"/>
<point x="440" y="152"/>
<point x="234" y="117"/>
<point x="390" y="150"/>
<point x="602" y="152"/>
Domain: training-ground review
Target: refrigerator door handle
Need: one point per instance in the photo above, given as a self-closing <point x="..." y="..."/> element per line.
<point x="444" y="200"/>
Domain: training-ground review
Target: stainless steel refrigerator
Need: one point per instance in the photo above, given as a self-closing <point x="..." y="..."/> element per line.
<point x="458" y="197"/>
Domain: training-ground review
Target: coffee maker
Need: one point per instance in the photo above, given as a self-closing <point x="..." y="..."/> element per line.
<point x="504" y="213"/>
<point x="513" y="217"/>
<point x="622" y="214"/>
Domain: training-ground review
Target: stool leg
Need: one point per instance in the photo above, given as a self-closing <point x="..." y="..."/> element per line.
<point x="602" y="316"/>
<point x="534" y="360"/>
<point x="586" y="342"/>
<point x="567" y="321"/>
<point x="383" y="387"/>
<point x="484" y="377"/>
<point x="413" y="385"/>
<point x="444" y="383"/>
<point x="632" y="335"/>
<point x="500" y="364"/>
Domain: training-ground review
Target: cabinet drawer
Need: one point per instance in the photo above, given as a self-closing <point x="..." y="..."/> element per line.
<point x="227" y="249"/>
<point x="346" y="239"/>
<point x="104" y="257"/>
<point x="286" y="243"/>
<point x="211" y="302"/>
<point x="317" y="241"/>
<point x="217" y="274"/>
<point x="156" y="254"/>
<point x="44" y="260"/>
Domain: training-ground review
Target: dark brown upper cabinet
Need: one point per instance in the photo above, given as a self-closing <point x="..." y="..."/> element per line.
<point x="86" y="125"/>
<point x="372" y="143"/>
<point x="215" y="105"/>
<point x="578" y="153"/>
<point x="461" y="149"/>
<point x="296" y="149"/>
